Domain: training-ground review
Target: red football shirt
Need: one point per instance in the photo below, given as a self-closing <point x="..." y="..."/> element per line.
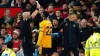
<point x="16" y="45"/>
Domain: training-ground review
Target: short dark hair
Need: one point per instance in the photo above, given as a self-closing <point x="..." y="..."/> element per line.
<point x="9" y="44"/>
<point x="50" y="4"/>
<point x="55" y="19"/>
<point x="58" y="10"/>
<point x="72" y="14"/>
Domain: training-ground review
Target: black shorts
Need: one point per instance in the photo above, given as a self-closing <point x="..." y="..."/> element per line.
<point x="54" y="50"/>
<point x="46" y="51"/>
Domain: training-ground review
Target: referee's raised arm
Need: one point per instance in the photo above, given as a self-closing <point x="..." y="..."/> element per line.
<point x="35" y="13"/>
<point x="60" y="26"/>
<point x="36" y="10"/>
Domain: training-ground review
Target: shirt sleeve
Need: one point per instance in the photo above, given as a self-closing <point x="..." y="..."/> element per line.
<point x="41" y="31"/>
<point x="60" y="26"/>
<point x="87" y="48"/>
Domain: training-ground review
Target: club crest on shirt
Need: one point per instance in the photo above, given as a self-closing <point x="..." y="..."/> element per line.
<point x="74" y="25"/>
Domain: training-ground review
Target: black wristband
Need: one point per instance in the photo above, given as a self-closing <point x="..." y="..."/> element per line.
<point x="37" y="9"/>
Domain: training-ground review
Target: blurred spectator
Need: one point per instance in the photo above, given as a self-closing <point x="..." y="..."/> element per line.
<point x="84" y="8"/>
<point x="71" y="10"/>
<point x="3" y="25"/>
<point x="9" y="28"/>
<point x="8" y="50"/>
<point x="32" y="25"/>
<point x="42" y="11"/>
<point x="79" y="22"/>
<point x="1" y="41"/>
<point x="27" y="8"/>
<point x="95" y="19"/>
<point x="57" y="37"/>
<point x="95" y="9"/>
<point x="55" y="23"/>
<point x="88" y="3"/>
<point x="58" y="16"/>
<point x="85" y="32"/>
<point x="19" y="3"/>
<point x="7" y="17"/>
<point x="5" y="3"/>
<point x="34" y="41"/>
<point x="78" y="10"/>
<point x="91" y="23"/>
<point x="51" y="12"/>
<point x="33" y="4"/>
<point x="18" y="29"/>
<point x="16" y="41"/>
<point x="34" y="35"/>
<point x="6" y="35"/>
<point x="82" y="3"/>
<point x="17" y="20"/>
<point x="64" y="11"/>
<point x="81" y="52"/>
<point x="58" y="3"/>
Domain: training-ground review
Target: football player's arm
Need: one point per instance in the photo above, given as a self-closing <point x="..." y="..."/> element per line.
<point x="40" y="34"/>
<point x="87" y="48"/>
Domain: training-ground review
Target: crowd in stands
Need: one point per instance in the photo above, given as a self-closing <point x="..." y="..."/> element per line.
<point x="88" y="17"/>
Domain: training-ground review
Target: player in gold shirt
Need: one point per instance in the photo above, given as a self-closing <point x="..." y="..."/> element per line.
<point x="45" y="37"/>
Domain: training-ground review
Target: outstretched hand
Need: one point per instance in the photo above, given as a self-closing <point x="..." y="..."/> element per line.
<point x="37" y="46"/>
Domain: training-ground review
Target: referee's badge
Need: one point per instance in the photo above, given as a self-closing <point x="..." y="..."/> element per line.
<point x="74" y="25"/>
